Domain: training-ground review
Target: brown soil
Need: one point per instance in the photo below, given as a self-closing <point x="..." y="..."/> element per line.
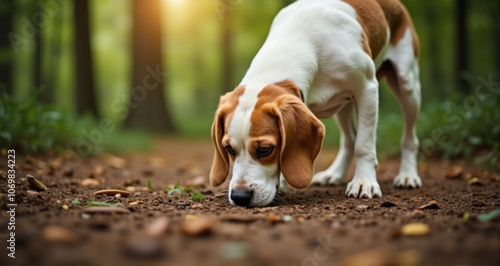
<point x="317" y="226"/>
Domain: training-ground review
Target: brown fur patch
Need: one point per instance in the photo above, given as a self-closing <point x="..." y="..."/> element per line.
<point x="399" y="21"/>
<point x="280" y="115"/>
<point x="371" y="18"/>
<point x="223" y="117"/>
<point x="375" y="16"/>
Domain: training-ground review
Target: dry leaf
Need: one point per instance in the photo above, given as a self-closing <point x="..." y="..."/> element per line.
<point x="158" y="227"/>
<point x="454" y="172"/>
<point x="89" y="182"/>
<point x="57" y="234"/>
<point x="116" y="162"/>
<point x="197" y="226"/>
<point x="112" y="192"/>
<point x="430" y="205"/>
<point x="415" y="229"/>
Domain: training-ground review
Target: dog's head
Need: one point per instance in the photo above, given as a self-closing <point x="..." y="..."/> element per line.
<point x="258" y="136"/>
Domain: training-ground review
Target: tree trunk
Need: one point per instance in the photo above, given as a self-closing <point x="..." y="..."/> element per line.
<point x="227" y="51"/>
<point x="85" y="91"/>
<point x="6" y="26"/>
<point x="147" y="108"/>
<point x="461" y="52"/>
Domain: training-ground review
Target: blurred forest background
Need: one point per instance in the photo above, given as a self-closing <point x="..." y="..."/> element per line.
<point x="73" y="71"/>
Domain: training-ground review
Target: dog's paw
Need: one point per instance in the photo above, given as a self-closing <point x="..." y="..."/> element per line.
<point x="362" y="188"/>
<point x="407" y="180"/>
<point x="326" y="178"/>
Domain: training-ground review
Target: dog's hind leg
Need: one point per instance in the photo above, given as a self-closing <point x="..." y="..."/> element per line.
<point x="335" y="173"/>
<point x="402" y="73"/>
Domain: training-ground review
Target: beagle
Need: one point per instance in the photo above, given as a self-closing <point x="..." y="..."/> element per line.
<point x="321" y="59"/>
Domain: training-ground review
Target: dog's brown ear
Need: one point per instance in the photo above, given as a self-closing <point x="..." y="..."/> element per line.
<point x="301" y="140"/>
<point x="220" y="164"/>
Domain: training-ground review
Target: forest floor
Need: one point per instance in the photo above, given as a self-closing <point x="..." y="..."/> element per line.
<point x="316" y="226"/>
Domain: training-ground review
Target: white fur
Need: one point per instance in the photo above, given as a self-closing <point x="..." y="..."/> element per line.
<point x="317" y="45"/>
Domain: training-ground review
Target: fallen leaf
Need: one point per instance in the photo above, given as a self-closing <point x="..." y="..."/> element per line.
<point x="35" y="184"/>
<point x="241" y="218"/>
<point x="102" y="204"/>
<point x="415" y="229"/>
<point x="116" y="162"/>
<point x="374" y="257"/>
<point x="430" y="205"/>
<point x="475" y="182"/>
<point x="201" y="225"/>
<point x="486" y="217"/>
<point x="143" y="248"/>
<point x="90" y="182"/>
<point x="112" y="192"/>
<point x="98" y="170"/>
<point x="454" y="172"/>
<point x="58" y="234"/>
<point x="103" y="209"/>
<point x="273" y="218"/>
<point x="158" y="227"/>
<point x="197" y="181"/>
<point x="35" y="162"/>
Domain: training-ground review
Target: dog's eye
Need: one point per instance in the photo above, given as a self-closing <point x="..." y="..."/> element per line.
<point x="263" y="151"/>
<point x="230" y="150"/>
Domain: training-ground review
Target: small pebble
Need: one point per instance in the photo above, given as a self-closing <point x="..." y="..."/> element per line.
<point x="65" y="207"/>
<point x="32" y="193"/>
<point x="287" y="218"/>
<point x="362" y="207"/>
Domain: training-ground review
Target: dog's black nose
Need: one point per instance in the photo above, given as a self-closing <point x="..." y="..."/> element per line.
<point x="242" y="197"/>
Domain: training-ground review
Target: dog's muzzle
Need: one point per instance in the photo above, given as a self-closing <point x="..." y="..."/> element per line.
<point x="242" y="197"/>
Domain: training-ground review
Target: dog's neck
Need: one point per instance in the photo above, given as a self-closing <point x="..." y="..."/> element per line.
<point x="276" y="62"/>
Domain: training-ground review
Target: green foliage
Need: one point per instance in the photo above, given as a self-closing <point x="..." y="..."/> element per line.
<point x="102" y="204"/>
<point x="197" y="196"/>
<point x="175" y="189"/>
<point x="462" y="127"/>
<point x="32" y="127"/>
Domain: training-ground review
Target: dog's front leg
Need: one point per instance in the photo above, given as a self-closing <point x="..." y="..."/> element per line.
<point x="364" y="183"/>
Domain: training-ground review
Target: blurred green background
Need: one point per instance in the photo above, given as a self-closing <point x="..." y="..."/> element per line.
<point x="79" y="62"/>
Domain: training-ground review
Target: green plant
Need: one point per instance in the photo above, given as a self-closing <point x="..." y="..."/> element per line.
<point x="172" y="190"/>
<point x="196" y="196"/>
<point x="463" y="127"/>
<point x="31" y="127"/>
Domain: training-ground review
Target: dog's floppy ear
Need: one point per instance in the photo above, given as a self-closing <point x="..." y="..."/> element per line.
<point x="220" y="164"/>
<point x="301" y="140"/>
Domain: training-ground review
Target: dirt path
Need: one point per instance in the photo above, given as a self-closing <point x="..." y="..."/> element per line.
<point x="316" y="226"/>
